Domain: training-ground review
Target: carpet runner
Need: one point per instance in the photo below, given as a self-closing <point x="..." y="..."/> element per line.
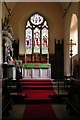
<point x="37" y="84"/>
<point x="38" y="103"/>
<point x="37" y="91"/>
<point x="39" y="112"/>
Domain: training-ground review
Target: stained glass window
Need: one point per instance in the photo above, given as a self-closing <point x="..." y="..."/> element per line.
<point x="36" y="38"/>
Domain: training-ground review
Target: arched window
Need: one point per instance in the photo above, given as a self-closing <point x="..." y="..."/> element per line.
<point x="74" y="34"/>
<point x="36" y="39"/>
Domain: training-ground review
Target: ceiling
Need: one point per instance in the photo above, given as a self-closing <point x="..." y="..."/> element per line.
<point x="64" y="5"/>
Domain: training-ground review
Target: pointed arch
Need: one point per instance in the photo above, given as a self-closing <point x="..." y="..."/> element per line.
<point x="36" y="37"/>
<point x="74" y="34"/>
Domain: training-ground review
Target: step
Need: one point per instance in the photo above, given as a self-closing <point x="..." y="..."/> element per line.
<point x="35" y="80"/>
<point x="37" y="87"/>
<point x="36" y="83"/>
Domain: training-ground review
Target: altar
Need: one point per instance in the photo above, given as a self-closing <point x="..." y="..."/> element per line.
<point x="36" y="70"/>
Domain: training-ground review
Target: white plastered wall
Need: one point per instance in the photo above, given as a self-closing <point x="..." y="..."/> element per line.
<point x="67" y="21"/>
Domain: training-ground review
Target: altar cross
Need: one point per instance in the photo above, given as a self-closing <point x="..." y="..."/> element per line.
<point x="71" y="44"/>
<point x="71" y="53"/>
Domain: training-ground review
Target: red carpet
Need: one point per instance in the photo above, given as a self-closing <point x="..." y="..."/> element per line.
<point x="38" y="87"/>
<point x="38" y="96"/>
<point x="37" y="84"/>
<point x="35" y="80"/>
<point x="39" y="112"/>
<point x="37" y="90"/>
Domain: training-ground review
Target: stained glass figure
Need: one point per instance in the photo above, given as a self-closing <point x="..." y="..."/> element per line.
<point x="36" y="40"/>
<point x="28" y="41"/>
<point x="44" y="41"/>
